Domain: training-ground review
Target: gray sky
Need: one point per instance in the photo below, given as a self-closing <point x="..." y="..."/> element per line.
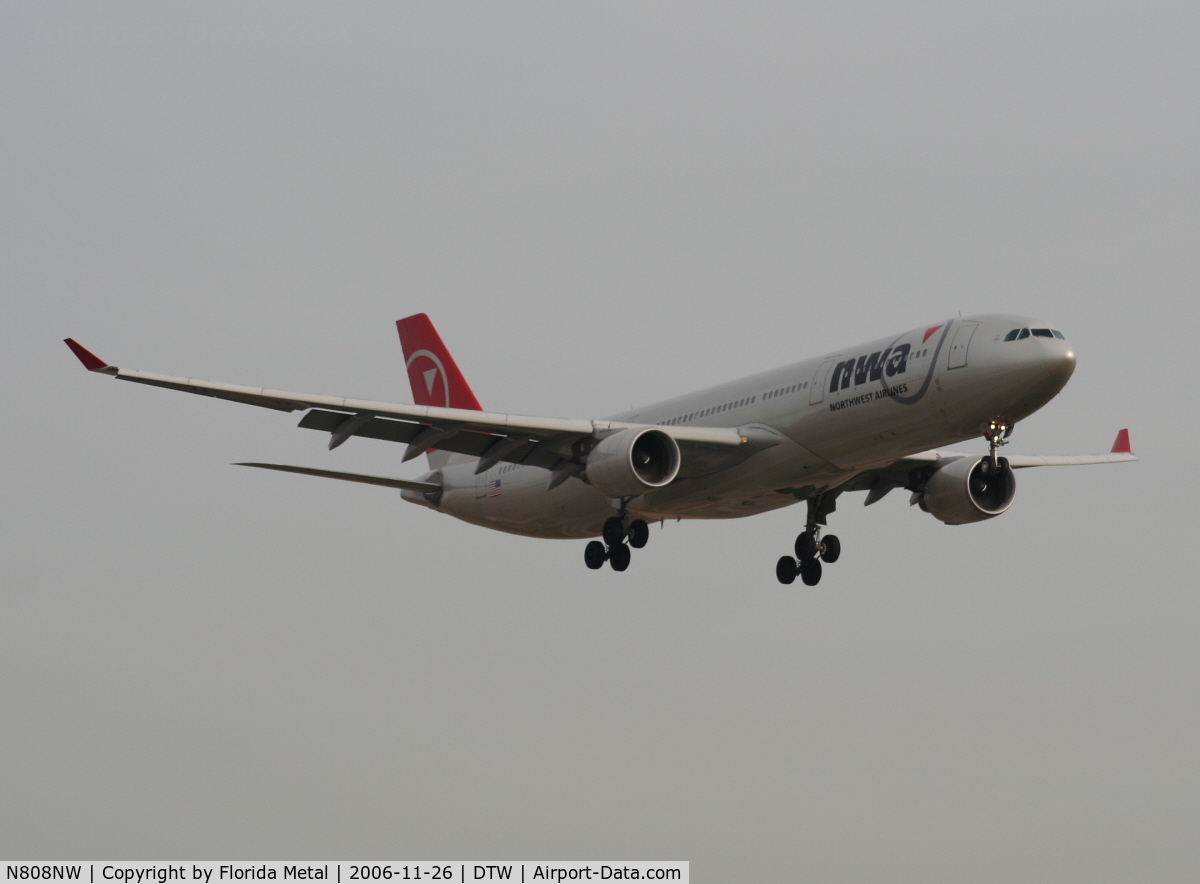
<point x="600" y="205"/>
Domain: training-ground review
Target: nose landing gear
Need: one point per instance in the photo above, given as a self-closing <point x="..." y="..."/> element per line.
<point x="615" y="549"/>
<point x="810" y="548"/>
<point x="996" y="431"/>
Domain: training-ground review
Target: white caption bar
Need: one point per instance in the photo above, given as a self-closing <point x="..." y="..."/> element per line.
<point x="341" y="872"/>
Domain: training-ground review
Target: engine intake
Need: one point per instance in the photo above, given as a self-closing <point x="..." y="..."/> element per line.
<point x="969" y="490"/>
<point x="632" y="462"/>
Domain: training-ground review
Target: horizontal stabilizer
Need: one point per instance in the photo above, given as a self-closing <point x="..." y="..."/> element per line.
<point x="403" y="484"/>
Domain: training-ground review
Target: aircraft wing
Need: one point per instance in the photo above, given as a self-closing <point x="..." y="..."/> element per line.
<point x="1121" y="452"/>
<point x="549" y="442"/>
<point x="903" y="472"/>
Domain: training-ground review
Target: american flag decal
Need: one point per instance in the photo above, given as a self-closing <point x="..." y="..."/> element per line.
<point x="494" y="488"/>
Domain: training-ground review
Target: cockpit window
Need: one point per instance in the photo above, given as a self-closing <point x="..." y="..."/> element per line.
<point x="1020" y="334"/>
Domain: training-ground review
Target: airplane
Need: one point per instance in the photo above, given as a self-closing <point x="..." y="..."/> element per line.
<point x="872" y="418"/>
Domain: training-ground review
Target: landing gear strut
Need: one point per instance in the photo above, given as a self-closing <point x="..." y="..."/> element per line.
<point x="616" y="532"/>
<point x="996" y="431"/>
<point x="811" y="549"/>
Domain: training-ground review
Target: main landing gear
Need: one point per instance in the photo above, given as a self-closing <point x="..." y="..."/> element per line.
<point x="618" y="538"/>
<point x="811" y="549"/>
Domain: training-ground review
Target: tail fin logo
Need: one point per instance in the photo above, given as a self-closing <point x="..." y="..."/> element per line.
<point x="433" y="374"/>
<point x="437" y="382"/>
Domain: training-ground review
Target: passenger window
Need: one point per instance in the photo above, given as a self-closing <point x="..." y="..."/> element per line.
<point x="1042" y="333"/>
<point x="1023" y="335"/>
<point x="1012" y="335"/>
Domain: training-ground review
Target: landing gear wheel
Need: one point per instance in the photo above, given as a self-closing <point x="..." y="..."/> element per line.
<point x="806" y="547"/>
<point x="618" y="557"/>
<point x="832" y="549"/>
<point x="810" y="572"/>
<point x="639" y="533"/>
<point x="594" y="555"/>
<point x="614" y="531"/>
<point x="785" y="570"/>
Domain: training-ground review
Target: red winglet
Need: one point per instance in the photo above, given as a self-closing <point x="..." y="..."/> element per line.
<point x="90" y="360"/>
<point x="1121" y="445"/>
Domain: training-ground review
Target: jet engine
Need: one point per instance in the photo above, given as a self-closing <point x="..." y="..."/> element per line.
<point x="969" y="490"/>
<point x="632" y="462"/>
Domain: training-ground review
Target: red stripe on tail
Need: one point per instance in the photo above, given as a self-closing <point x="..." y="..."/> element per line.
<point x="432" y="371"/>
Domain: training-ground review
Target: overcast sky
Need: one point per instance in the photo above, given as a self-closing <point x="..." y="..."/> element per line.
<point x="600" y="205"/>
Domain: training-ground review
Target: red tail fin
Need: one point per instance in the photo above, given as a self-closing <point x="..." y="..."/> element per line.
<point x="432" y="371"/>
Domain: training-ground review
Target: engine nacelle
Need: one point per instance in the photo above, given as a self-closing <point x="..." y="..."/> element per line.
<point x="632" y="462"/>
<point x="969" y="490"/>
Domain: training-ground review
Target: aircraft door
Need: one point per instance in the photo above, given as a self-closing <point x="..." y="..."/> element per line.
<point x="958" y="347"/>
<point x="816" y="393"/>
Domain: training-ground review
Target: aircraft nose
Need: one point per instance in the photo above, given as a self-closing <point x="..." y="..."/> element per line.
<point x="1053" y="364"/>
<point x="1061" y="362"/>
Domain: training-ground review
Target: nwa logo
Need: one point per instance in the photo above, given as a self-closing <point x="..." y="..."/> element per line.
<point x="890" y="362"/>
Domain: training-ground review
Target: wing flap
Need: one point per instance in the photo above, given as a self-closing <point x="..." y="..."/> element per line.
<point x="475" y="444"/>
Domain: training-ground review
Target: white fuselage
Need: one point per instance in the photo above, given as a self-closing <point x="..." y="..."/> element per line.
<point x="851" y="410"/>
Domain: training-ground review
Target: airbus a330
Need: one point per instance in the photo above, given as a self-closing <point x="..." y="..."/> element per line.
<point x="869" y="418"/>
